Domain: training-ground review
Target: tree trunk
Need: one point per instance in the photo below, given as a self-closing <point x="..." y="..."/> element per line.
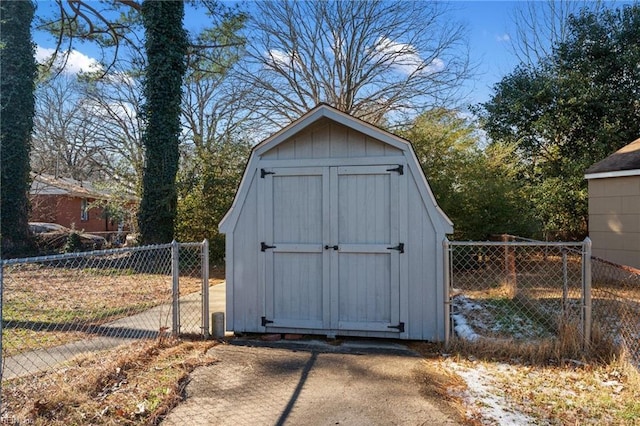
<point x="166" y="47"/>
<point x="17" y="83"/>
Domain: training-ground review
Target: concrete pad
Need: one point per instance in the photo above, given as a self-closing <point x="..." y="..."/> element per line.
<point x="254" y="385"/>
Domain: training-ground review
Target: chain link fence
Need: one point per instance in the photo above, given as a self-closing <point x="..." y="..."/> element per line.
<point x="517" y="291"/>
<point x="615" y="299"/>
<point x="524" y="291"/>
<point x="59" y="311"/>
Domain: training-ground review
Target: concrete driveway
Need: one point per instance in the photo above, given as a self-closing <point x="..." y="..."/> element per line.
<point x="309" y="384"/>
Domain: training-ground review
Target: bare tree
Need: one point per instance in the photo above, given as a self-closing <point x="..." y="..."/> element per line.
<point x="111" y="99"/>
<point x="213" y="108"/>
<point x="116" y="102"/>
<point x="64" y="127"/>
<point x="109" y="24"/>
<point x="377" y="60"/>
<point x="541" y="25"/>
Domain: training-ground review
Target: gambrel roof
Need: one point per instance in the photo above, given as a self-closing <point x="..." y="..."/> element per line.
<point x="326" y="112"/>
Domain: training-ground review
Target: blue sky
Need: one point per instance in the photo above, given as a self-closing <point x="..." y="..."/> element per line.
<point x="489" y="25"/>
<point x="490" y="29"/>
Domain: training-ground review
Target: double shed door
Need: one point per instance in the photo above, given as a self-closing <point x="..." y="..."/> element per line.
<point x="332" y="250"/>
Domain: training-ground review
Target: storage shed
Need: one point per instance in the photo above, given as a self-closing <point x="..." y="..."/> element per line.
<point x="614" y="206"/>
<point x="334" y="231"/>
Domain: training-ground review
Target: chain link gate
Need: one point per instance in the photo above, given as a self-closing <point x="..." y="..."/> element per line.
<point x="525" y="291"/>
<point x="518" y="290"/>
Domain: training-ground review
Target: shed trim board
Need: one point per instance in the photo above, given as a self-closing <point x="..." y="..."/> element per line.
<point x="618" y="173"/>
<point x="341" y="241"/>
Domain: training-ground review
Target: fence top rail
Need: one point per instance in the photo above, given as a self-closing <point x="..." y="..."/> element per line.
<point x="518" y="243"/>
<point x="76" y="255"/>
<point x="185" y="245"/>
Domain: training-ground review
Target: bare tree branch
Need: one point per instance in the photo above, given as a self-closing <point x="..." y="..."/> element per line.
<point x="374" y="59"/>
<point x="541" y="25"/>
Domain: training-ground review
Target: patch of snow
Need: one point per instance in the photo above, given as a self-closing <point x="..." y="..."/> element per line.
<point x="488" y="320"/>
<point x="463" y="329"/>
<point x="481" y="394"/>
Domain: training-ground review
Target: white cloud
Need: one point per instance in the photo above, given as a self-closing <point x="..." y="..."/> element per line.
<point x="119" y="109"/>
<point x="436" y="65"/>
<point x="405" y="58"/>
<point x="280" y="58"/>
<point x="120" y="78"/>
<point x="73" y="61"/>
<point x="503" y="38"/>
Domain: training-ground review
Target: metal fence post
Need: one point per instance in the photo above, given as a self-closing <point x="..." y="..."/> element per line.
<point x="586" y="292"/>
<point x="175" y="286"/>
<point x="510" y="265"/>
<point x="447" y="299"/>
<point x="205" y="288"/>
<point x="565" y="282"/>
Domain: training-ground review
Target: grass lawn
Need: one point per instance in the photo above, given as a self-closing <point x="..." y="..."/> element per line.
<point x="488" y="390"/>
<point x="132" y="384"/>
<point x="45" y="307"/>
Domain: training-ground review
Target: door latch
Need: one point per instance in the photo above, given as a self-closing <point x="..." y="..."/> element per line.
<point x="327" y="247"/>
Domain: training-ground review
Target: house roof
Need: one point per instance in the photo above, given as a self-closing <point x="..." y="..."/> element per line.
<point x="321" y="112"/>
<point x="623" y="162"/>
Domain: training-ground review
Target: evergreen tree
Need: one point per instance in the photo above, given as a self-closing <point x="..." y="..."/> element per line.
<point x="574" y="108"/>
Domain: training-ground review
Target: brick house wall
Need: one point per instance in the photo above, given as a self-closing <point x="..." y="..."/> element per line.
<point x="68" y="202"/>
<point x="67" y="211"/>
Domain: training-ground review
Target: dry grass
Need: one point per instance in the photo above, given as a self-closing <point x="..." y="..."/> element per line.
<point x="134" y="384"/>
<point x="440" y="385"/>
<point x="566" y="344"/>
<point x="586" y="394"/>
<point x="45" y="307"/>
<point x="568" y="392"/>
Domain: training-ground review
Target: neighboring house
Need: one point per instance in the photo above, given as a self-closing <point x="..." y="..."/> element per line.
<point x="614" y="206"/>
<point x="334" y="231"/>
<point x="69" y="203"/>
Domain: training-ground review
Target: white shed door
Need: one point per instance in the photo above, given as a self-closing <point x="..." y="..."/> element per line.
<point x="332" y="249"/>
<point x="365" y="226"/>
<point x="295" y="207"/>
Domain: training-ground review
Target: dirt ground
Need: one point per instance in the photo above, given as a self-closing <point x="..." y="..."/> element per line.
<point x="280" y="385"/>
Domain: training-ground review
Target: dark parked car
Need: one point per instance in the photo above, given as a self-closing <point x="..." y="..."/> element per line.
<point x="54" y="237"/>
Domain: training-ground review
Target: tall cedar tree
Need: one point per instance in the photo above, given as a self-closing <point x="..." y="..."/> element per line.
<point x="166" y="45"/>
<point x="17" y="84"/>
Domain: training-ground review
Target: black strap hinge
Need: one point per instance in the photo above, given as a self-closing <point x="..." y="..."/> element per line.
<point x="399" y="247"/>
<point x="265" y="321"/>
<point x="263" y="173"/>
<point x="264" y="247"/>
<point x="400" y="327"/>
<point x="399" y="169"/>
